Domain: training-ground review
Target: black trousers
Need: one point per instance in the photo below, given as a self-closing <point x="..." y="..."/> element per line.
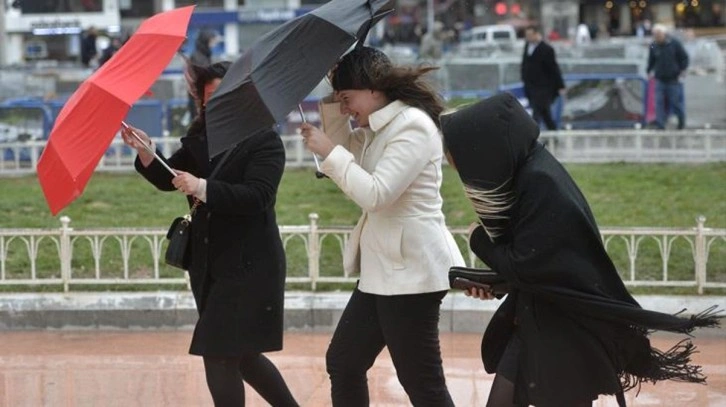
<point x="541" y="104"/>
<point x="409" y="326"/>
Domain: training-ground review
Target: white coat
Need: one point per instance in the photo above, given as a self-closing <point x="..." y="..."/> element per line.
<point x="392" y="170"/>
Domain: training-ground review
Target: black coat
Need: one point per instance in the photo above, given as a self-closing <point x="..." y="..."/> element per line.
<point x="582" y="333"/>
<point x="237" y="270"/>
<point x="540" y="73"/>
<point x="88" y="49"/>
<point x="667" y="61"/>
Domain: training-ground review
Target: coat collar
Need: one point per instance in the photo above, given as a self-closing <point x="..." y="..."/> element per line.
<point x="380" y="118"/>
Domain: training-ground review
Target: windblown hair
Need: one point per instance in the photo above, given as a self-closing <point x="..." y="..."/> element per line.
<point x="369" y="68"/>
<point x="197" y="77"/>
<point x="492" y="206"/>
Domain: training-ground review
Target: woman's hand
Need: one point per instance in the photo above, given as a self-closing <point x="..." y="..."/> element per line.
<point x="315" y="140"/>
<point x="139" y="145"/>
<point x="133" y="142"/>
<point x="185" y="182"/>
<point x="479" y="293"/>
<point x="331" y="98"/>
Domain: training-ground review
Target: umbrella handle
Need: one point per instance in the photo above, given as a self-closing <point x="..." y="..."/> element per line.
<point x="318" y="174"/>
<point x="149" y="149"/>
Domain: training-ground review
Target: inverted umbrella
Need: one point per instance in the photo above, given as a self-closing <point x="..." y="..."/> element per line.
<point x="90" y="119"/>
<point x="267" y="82"/>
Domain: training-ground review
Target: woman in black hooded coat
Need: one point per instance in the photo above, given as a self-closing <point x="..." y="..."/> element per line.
<point x="569" y="330"/>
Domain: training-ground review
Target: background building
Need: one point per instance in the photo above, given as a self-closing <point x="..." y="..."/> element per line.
<point x="622" y="17"/>
<point x="52" y="29"/>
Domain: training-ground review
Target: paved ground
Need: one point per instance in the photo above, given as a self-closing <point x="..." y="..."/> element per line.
<point x="151" y="368"/>
<point x="705" y="101"/>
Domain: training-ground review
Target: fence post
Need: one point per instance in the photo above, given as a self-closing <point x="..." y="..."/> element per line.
<point x="569" y="146"/>
<point x="65" y="252"/>
<point x="700" y="258"/>
<point x="33" y="156"/>
<point x="313" y="251"/>
<point x="638" y="142"/>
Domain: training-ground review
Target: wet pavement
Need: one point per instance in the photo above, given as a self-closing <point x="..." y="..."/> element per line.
<point x="152" y="368"/>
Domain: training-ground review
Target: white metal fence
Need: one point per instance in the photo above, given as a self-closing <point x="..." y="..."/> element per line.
<point x="646" y="257"/>
<point x="580" y="146"/>
<point x="639" y="146"/>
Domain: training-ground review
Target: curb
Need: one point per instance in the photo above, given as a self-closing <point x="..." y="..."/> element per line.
<point x="304" y="311"/>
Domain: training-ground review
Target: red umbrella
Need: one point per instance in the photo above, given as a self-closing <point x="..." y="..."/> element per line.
<point x="90" y="119"/>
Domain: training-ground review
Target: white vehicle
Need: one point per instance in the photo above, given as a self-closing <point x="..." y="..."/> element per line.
<point x="501" y="36"/>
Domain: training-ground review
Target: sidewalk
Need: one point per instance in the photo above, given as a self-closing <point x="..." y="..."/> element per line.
<point x="152" y="368"/>
<point x="306" y="311"/>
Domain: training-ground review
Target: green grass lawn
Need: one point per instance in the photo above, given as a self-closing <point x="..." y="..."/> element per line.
<point x="620" y="195"/>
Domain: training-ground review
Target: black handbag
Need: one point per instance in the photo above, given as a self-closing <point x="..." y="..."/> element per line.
<point x="179" y="233"/>
<point x="465" y="277"/>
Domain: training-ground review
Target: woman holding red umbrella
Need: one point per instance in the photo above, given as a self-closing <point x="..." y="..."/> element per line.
<point x="237" y="269"/>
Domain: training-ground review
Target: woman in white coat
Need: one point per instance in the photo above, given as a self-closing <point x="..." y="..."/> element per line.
<point x="391" y="167"/>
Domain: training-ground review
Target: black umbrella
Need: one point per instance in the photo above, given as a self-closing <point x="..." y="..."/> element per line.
<point x="267" y="82"/>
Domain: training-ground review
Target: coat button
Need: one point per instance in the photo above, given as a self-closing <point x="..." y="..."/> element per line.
<point x="206" y="240"/>
<point x="209" y="215"/>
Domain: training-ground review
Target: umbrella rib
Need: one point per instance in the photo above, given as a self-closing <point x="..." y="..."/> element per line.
<point x="98" y="86"/>
<point x="157" y="35"/>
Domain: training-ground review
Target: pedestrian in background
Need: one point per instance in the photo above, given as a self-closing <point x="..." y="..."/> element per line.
<point x="667" y="63"/>
<point x="541" y="76"/>
<point x="109" y="51"/>
<point x="201" y="56"/>
<point x="88" y="46"/>
<point x="582" y="37"/>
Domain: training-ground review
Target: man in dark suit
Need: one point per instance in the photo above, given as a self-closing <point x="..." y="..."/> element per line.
<point x="541" y="76"/>
<point x="89" y="52"/>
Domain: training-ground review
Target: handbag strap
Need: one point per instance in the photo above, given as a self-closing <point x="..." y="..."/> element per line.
<point x="226" y="155"/>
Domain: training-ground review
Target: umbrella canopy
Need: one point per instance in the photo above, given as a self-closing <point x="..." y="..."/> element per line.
<point x="90" y="119"/>
<point x="267" y="82"/>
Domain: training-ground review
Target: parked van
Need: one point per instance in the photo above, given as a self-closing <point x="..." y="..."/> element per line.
<point x="501" y="36"/>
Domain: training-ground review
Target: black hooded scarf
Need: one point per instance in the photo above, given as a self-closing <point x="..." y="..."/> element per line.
<point x="583" y="334"/>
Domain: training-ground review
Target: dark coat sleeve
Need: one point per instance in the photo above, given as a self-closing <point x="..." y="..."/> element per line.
<point x="263" y="171"/>
<point x="681" y="56"/>
<point x="651" y="60"/>
<point x="523" y="65"/>
<point x="555" y="244"/>
<point x="534" y="233"/>
<point x="159" y="176"/>
<point x="553" y="69"/>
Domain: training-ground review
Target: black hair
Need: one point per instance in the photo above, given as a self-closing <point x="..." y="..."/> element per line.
<point x="198" y="77"/>
<point x="369" y="68"/>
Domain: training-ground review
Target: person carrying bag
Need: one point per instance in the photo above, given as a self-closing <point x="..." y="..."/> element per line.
<point x="231" y="247"/>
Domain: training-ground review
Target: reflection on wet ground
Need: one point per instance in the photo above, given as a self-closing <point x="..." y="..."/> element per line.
<point x="134" y="368"/>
